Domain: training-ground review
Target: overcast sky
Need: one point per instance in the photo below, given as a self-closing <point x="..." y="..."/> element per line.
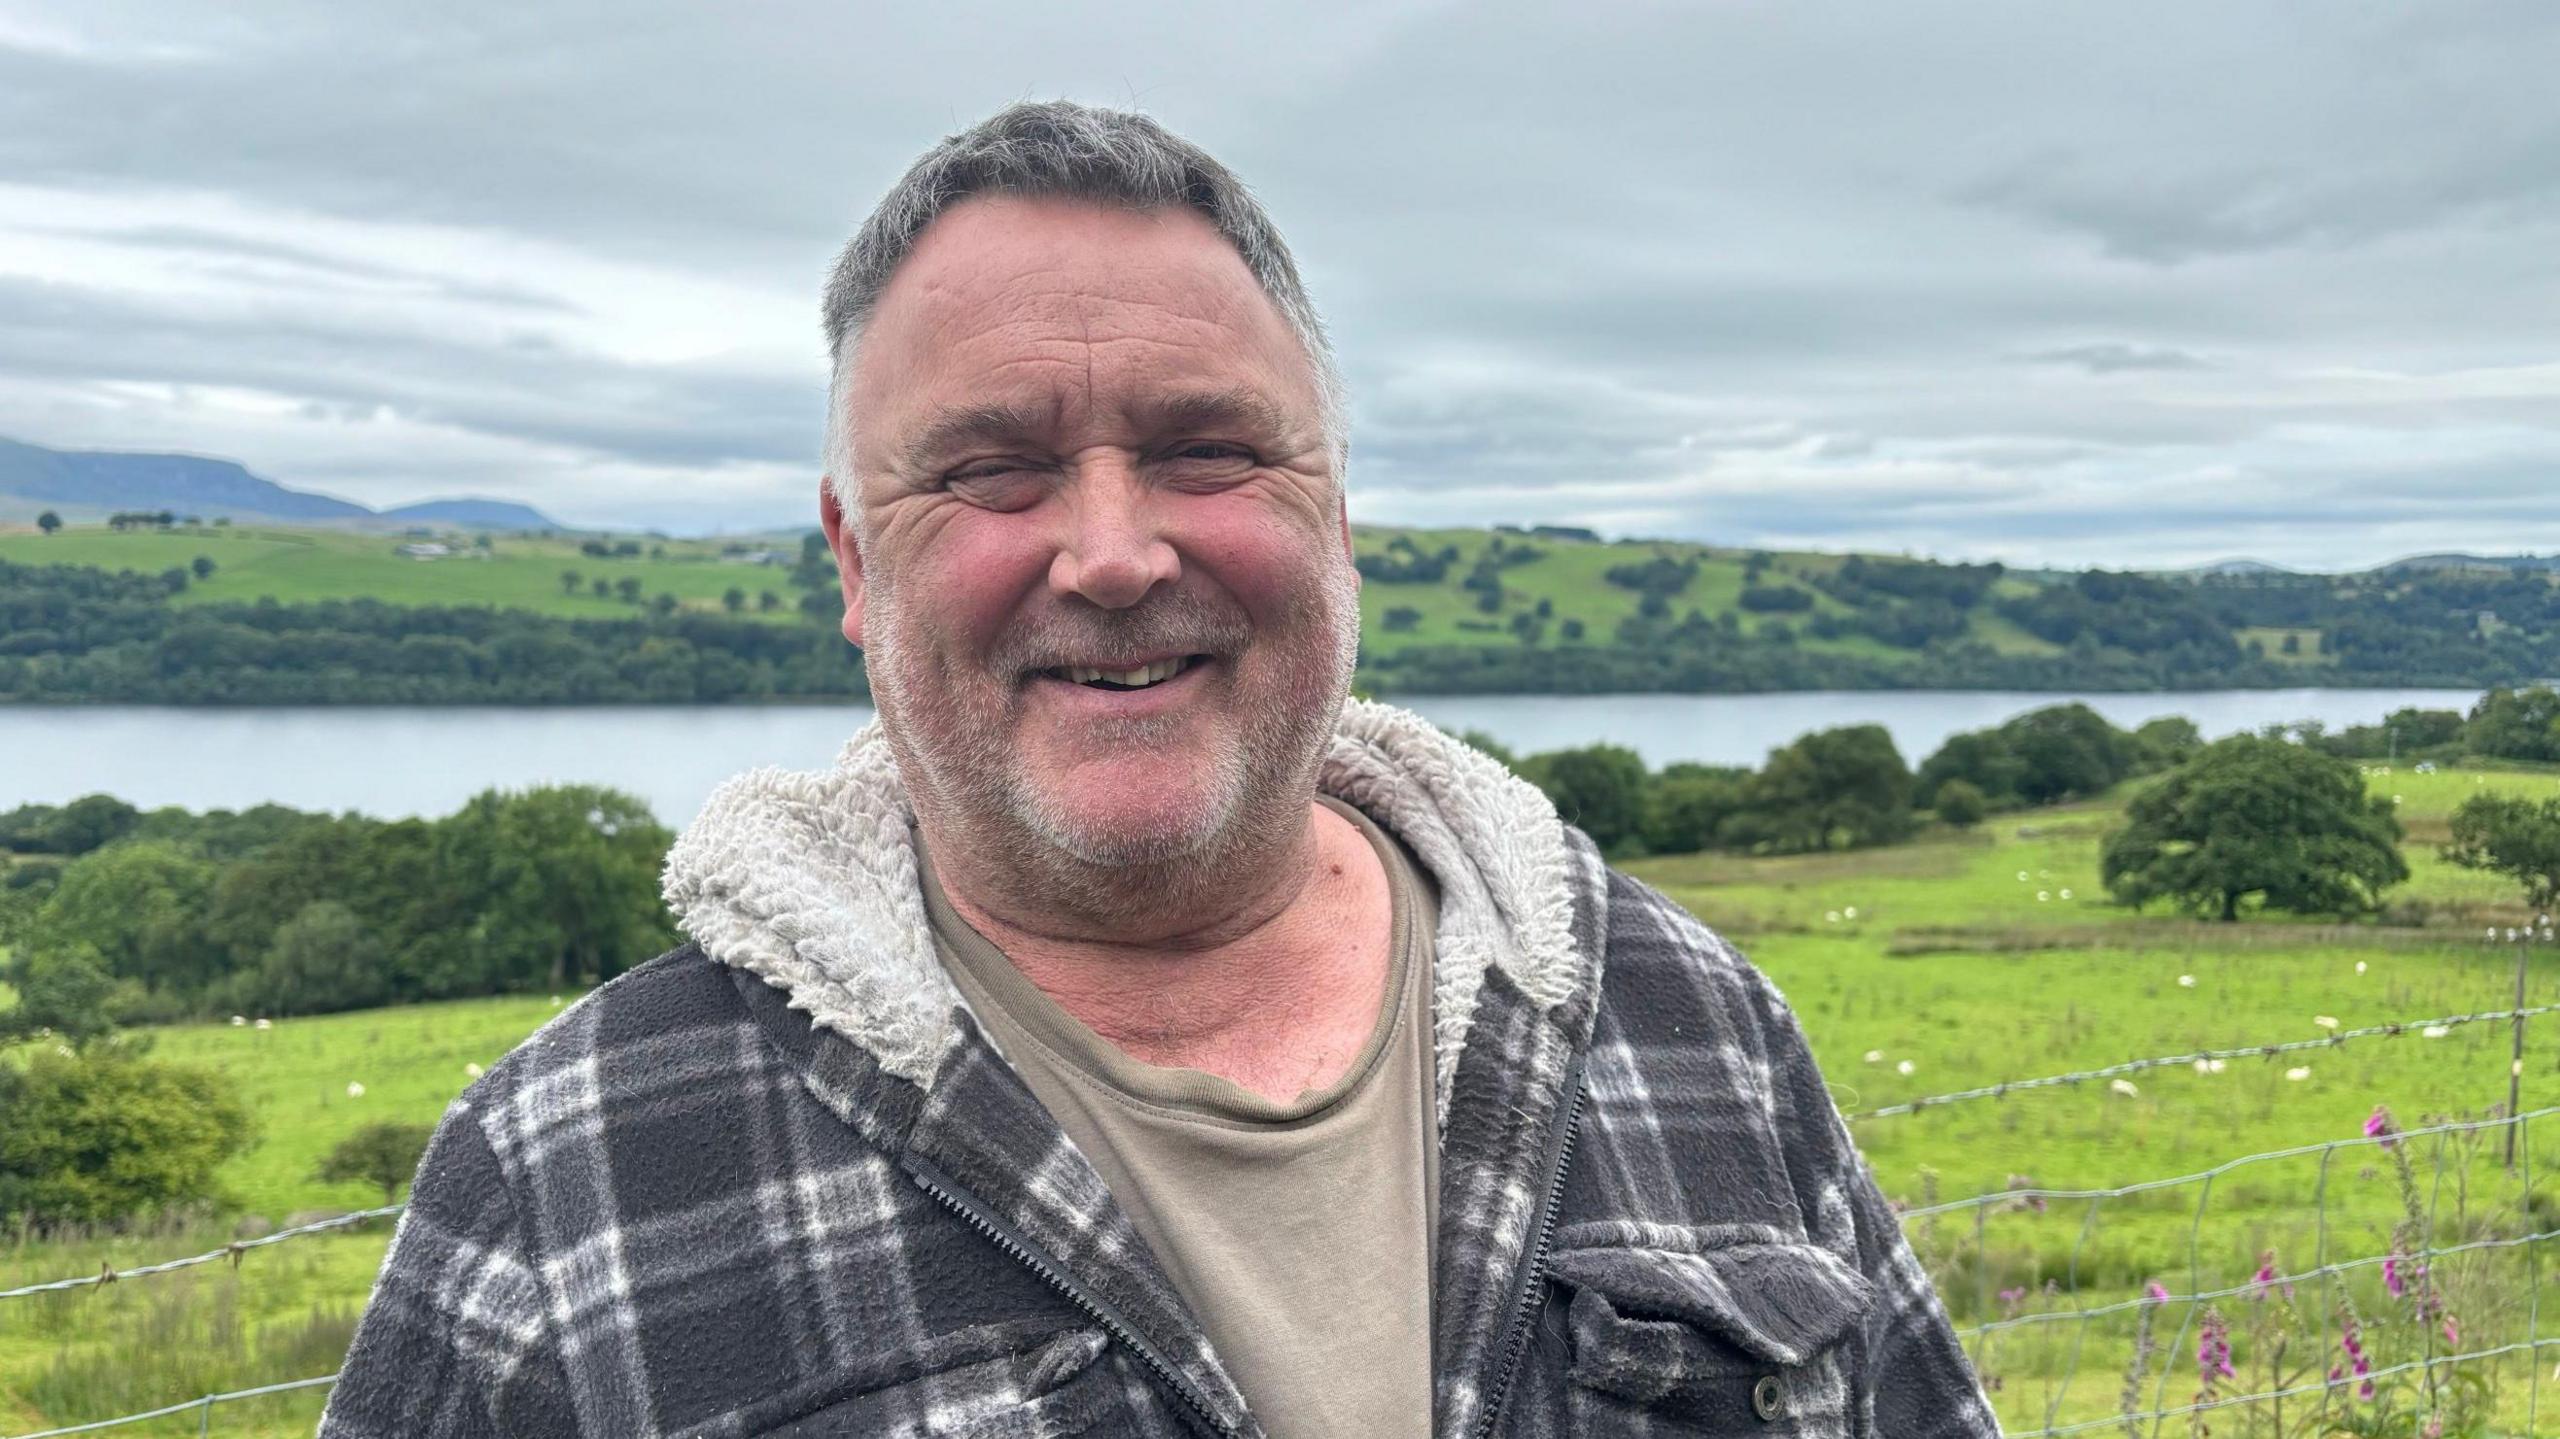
<point x="2153" y="283"/>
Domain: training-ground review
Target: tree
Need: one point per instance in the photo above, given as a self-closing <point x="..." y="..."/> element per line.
<point x="1980" y="758"/>
<point x="66" y="991"/>
<point x="76" y="828"/>
<point x="1961" y="805"/>
<point x="629" y="588"/>
<point x="1832" y="789"/>
<point x="570" y="580"/>
<point x="2252" y="815"/>
<point x="102" y="1134"/>
<point x="2067" y="752"/>
<point x="48" y="522"/>
<point x="2516" y="724"/>
<point x="140" y="906"/>
<point x="734" y="600"/>
<point x="1600" y="787"/>
<point x="384" y="1153"/>
<point x="601" y="587"/>
<point x="557" y="884"/>
<point x="1400" y="619"/>
<point x="203" y="566"/>
<point x="2164" y="742"/>
<point x="2043" y="756"/>
<point x="767" y="602"/>
<point x="1687" y="807"/>
<point x="2513" y="836"/>
<point x="322" y="960"/>
<point x="662" y="603"/>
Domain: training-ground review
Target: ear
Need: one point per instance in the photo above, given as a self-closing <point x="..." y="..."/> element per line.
<point x="831" y="518"/>
<point x="1342" y="511"/>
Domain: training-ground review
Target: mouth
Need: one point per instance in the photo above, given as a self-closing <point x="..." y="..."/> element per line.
<point x="1144" y="675"/>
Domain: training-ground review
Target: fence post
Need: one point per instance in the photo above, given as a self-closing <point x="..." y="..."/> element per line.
<point x="2515" y="1062"/>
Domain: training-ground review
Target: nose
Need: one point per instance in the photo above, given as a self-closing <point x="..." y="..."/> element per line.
<point x="1112" y="552"/>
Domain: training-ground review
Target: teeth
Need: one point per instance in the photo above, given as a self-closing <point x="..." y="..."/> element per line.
<point x="1155" y="673"/>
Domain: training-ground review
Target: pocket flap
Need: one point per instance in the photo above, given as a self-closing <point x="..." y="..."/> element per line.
<point x="1779" y="1301"/>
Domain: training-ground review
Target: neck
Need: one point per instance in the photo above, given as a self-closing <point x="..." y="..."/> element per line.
<point x="1265" y="966"/>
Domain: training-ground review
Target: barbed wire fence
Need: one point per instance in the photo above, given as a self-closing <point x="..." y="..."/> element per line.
<point x="2414" y="1264"/>
<point x="2310" y="1335"/>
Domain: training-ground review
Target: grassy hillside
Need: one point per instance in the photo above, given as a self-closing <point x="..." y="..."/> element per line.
<point x="294" y="566"/>
<point x="1974" y="958"/>
<point x="1444" y="611"/>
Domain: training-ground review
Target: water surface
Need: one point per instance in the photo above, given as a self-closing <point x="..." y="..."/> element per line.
<point x="426" y="761"/>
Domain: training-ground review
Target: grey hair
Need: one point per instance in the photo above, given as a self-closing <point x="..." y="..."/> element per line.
<point x="1058" y="148"/>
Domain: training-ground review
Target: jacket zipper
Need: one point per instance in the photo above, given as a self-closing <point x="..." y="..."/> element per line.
<point x="1013" y="1242"/>
<point x="1530" y="1283"/>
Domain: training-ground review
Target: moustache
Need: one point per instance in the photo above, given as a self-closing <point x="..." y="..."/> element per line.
<point x="1174" y="623"/>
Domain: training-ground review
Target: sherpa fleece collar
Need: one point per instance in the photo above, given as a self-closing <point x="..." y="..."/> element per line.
<point x="807" y="879"/>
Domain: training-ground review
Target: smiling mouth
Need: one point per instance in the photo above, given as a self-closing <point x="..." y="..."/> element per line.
<point x="1141" y="677"/>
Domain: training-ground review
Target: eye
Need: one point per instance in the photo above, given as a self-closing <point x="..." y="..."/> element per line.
<point x="1209" y="461"/>
<point x="998" y="484"/>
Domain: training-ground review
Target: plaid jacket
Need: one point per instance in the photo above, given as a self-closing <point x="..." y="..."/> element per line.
<point x="777" y="1183"/>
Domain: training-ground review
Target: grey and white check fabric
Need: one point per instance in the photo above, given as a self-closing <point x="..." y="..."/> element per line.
<point x="693" y="1204"/>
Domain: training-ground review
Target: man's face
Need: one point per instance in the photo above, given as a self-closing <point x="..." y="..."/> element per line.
<point x="1103" y="579"/>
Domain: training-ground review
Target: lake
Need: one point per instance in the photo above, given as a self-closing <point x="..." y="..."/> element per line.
<point x="426" y="761"/>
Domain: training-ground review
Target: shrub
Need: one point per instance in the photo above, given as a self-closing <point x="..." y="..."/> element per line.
<point x="103" y="1134"/>
<point x="1961" y="805"/>
<point x="385" y="1153"/>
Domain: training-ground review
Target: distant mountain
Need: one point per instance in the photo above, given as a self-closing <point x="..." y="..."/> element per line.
<point x="2518" y="563"/>
<point x="474" y="514"/>
<point x="92" y="484"/>
<point x="2238" y="567"/>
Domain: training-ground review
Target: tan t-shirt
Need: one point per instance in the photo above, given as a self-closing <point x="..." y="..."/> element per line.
<point x="1301" y="1233"/>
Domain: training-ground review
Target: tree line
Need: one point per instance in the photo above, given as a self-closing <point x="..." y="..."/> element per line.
<point x="83" y="635"/>
<point x="115" y="916"/>
<point x="76" y="634"/>
<point x="1843" y="788"/>
<point x="2280" y="819"/>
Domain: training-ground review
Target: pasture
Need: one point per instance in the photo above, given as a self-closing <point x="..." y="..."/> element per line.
<point x="523" y="571"/>
<point x="299" y="566"/>
<point x="1970" y="958"/>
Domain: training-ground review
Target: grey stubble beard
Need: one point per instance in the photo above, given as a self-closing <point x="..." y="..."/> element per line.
<point x="969" y="784"/>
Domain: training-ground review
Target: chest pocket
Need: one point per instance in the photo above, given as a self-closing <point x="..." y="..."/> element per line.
<point x="1704" y="1333"/>
<point x="993" y="1385"/>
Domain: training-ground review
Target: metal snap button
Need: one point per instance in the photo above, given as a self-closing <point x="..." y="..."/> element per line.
<point x="1769" y="1397"/>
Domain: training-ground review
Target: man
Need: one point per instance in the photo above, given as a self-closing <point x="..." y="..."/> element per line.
<point x="1130" y="1035"/>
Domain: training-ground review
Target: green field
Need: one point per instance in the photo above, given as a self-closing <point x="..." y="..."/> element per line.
<point x="1571" y="576"/>
<point x="1950" y="962"/>
<point x="523" y="572"/>
<point x="294" y="566"/>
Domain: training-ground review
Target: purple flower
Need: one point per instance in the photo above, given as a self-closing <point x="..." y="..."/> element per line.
<point x="2377" y="1125"/>
<point x="2213" y="1349"/>
<point x="2392" y="1278"/>
<point x="2351" y="1342"/>
<point x="2155" y="1292"/>
<point x="2265" y="1278"/>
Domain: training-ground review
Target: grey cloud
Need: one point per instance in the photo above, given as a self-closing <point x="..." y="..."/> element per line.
<point x="1567" y="251"/>
<point x="306" y="263"/>
<point x="539" y="394"/>
<point x="2109" y="357"/>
